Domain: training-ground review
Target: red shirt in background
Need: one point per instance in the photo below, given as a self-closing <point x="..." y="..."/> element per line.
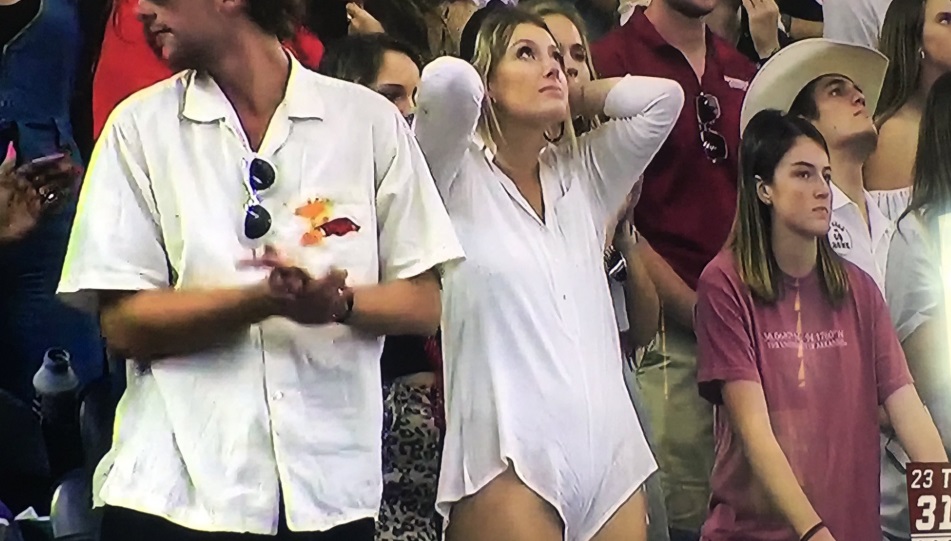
<point x="127" y="64"/>
<point x="824" y="371"/>
<point x="687" y="206"/>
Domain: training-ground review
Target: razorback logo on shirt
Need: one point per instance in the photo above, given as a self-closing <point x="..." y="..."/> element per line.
<point x="840" y="238"/>
<point x="318" y="214"/>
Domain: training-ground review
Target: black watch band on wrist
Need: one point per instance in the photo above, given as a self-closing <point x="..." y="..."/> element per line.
<point x="813" y="531"/>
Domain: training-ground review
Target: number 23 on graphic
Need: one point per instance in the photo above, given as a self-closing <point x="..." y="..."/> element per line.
<point x="929" y="501"/>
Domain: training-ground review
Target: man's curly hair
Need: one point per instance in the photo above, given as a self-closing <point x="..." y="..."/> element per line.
<point x="278" y="17"/>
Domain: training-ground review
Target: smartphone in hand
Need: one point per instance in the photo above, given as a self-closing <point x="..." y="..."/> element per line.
<point x="48" y="158"/>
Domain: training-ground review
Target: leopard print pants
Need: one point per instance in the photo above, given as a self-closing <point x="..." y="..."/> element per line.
<point x="412" y="446"/>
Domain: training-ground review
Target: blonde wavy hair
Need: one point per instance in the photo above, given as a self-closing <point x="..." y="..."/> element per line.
<point x="492" y="42"/>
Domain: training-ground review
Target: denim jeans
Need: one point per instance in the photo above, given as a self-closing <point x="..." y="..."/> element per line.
<point x="32" y="319"/>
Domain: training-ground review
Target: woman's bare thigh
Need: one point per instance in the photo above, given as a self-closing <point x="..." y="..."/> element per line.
<point x="504" y="510"/>
<point x="629" y="522"/>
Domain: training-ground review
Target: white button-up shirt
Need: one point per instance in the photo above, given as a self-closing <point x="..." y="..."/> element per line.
<point x="208" y="440"/>
<point x="531" y="346"/>
<point x="862" y="244"/>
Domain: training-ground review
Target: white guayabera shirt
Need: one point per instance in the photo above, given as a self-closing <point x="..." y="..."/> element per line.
<point x="209" y="440"/>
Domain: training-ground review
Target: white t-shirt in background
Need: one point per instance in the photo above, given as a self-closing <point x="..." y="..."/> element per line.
<point x="913" y="289"/>
<point x="858" y="22"/>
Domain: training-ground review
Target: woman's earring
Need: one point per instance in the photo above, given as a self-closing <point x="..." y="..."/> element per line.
<point x="921" y="53"/>
<point x="561" y="134"/>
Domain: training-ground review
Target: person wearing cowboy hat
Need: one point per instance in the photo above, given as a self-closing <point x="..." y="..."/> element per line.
<point x="836" y="86"/>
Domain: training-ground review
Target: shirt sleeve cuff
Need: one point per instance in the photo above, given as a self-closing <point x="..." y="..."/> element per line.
<point x="84" y="294"/>
<point x="443" y="261"/>
<point x="907" y="328"/>
<point x="710" y="383"/>
<point x="889" y="388"/>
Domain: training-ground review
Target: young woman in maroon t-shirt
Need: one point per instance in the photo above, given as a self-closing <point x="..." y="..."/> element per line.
<point x="797" y="352"/>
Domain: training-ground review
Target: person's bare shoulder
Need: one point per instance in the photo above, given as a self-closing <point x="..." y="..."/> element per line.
<point x="890" y="167"/>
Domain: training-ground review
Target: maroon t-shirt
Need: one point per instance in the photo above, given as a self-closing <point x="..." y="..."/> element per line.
<point x="824" y="372"/>
<point x="687" y="205"/>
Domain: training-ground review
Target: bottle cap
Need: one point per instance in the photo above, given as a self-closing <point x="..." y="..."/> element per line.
<point x="56" y="375"/>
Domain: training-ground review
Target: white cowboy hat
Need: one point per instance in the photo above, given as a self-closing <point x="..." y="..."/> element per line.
<point x="779" y="81"/>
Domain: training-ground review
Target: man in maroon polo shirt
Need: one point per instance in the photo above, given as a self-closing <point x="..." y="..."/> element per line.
<point x="685" y="214"/>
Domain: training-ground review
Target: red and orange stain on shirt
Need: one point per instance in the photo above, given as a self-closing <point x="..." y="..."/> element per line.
<point x="317" y="212"/>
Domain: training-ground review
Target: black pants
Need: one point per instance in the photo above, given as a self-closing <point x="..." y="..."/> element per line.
<point x="120" y="524"/>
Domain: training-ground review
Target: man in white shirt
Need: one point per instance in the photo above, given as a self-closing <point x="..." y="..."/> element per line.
<point x="249" y="229"/>
<point x="836" y="86"/>
<point x="858" y="22"/>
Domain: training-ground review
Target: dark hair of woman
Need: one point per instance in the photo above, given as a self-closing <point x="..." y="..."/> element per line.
<point x="931" y="194"/>
<point x="467" y="40"/>
<point x="901" y="43"/>
<point x="415" y="22"/>
<point x="358" y="58"/>
<point x="768" y="138"/>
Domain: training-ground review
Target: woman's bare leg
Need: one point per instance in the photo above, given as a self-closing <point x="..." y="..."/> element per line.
<point x="505" y="510"/>
<point x="629" y="522"/>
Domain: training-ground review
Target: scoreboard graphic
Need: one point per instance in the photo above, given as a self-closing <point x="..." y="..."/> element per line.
<point x="929" y="501"/>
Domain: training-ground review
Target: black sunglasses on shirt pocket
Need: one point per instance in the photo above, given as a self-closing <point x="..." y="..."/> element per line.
<point x="257" y="220"/>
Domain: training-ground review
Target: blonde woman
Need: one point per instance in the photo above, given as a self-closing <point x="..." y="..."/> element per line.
<point x="534" y="401"/>
<point x="637" y="307"/>
<point x="637" y="292"/>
